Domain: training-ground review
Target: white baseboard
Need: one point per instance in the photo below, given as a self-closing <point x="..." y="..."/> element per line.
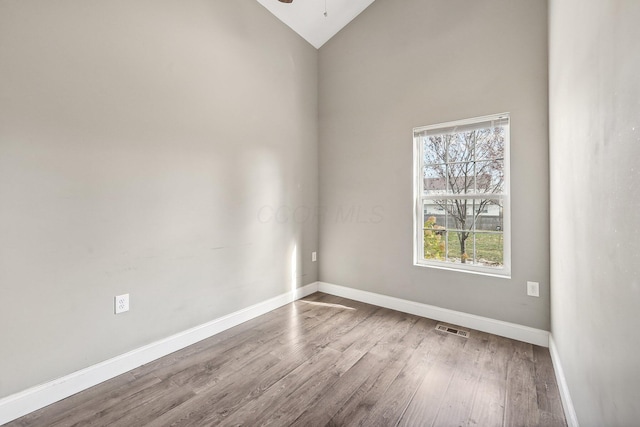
<point x="22" y="403"/>
<point x="485" y="324"/>
<point x="567" y="403"/>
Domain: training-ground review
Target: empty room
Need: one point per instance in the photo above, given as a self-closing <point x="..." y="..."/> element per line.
<point x="319" y="213"/>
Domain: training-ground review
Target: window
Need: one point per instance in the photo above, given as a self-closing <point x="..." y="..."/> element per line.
<point x="461" y="189"/>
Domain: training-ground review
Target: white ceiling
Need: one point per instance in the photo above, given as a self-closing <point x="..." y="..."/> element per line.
<point x="306" y="17"/>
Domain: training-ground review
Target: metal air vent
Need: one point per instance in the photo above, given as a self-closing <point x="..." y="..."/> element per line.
<point x="450" y="330"/>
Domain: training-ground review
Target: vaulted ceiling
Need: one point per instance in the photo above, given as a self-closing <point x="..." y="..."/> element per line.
<point x="307" y="17"/>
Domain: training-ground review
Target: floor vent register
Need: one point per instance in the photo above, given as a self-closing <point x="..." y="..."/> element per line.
<point x="450" y="330"/>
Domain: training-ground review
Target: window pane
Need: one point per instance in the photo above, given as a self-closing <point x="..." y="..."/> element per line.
<point x="460" y="246"/>
<point x="434" y="229"/>
<point x="490" y="176"/>
<point x="460" y="177"/>
<point x="434" y="179"/>
<point x="434" y="213"/>
<point x="489" y="143"/>
<point x="488" y="215"/>
<point x="459" y="147"/>
<point x="459" y="214"/>
<point x="434" y="243"/>
<point x="434" y="149"/>
<point x="489" y="249"/>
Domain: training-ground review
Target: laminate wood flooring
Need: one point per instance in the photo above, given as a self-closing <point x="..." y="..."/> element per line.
<point x="327" y="361"/>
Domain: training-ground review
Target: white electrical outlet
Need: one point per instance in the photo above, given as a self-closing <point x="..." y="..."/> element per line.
<point x="533" y="289"/>
<point x="121" y="303"/>
<point x="314" y="256"/>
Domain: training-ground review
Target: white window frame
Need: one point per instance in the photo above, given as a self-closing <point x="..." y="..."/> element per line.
<point x="419" y="199"/>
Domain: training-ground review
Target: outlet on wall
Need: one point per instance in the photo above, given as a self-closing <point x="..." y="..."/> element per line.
<point x="121" y="303"/>
<point x="533" y="289"/>
<point x="314" y="256"/>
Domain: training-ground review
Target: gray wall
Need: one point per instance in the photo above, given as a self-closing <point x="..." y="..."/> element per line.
<point x="409" y="63"/>
<point x="595" y="205"/>
<point x="139" y="142"/>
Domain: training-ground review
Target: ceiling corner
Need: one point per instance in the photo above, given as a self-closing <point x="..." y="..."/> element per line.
<point x="308" y="19"/>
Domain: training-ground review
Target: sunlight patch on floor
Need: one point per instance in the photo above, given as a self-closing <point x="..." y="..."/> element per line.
<point x="326" y="304"/>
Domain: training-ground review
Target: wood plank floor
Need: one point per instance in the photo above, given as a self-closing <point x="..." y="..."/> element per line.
<point x="327" y="361"/>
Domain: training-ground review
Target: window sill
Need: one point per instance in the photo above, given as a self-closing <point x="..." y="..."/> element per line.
<point x="503" y="274"/>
